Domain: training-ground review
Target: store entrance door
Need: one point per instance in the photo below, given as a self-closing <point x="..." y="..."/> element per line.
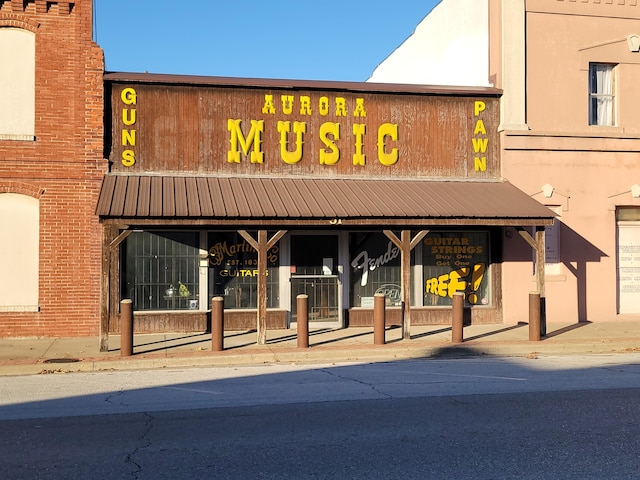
<point x="314" y="272"/>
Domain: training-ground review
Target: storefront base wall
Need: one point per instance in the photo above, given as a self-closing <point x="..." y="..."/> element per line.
<point x="362" y="317"/>
<point x="165" y="322"/>
<point x="247" y="319"/>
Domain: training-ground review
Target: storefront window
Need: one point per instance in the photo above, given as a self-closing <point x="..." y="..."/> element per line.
<point x="160" y="270"/>
<point x="375" y="268"/>
<point x="233" y="271"/>
<point x="456" y="261"/>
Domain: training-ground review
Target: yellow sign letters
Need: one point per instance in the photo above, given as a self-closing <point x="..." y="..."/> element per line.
<point x="330" y="133"/>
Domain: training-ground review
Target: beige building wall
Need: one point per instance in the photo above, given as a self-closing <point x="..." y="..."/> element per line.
<point x="584" y="171"/>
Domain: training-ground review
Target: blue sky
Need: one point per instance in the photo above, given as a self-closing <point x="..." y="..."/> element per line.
<point x="340" y="40"/>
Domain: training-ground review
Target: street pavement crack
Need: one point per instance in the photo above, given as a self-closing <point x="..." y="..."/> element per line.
<point x="143" y="442"/>
<point x="114" y="395"/>
<point x="356" y="380"/>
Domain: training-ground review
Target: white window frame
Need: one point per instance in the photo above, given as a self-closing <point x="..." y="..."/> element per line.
<point x="602" y="98"/>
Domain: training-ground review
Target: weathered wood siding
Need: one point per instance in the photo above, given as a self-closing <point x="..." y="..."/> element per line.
<point x="174" y="321"/>
<point x="185" y="128"/>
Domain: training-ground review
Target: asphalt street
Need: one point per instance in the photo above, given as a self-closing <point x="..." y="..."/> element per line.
<point x="569" y="417"/>
<point x="72" y="394"/>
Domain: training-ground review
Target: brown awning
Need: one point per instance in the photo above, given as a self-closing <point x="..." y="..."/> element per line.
<point x="166" y="199"/>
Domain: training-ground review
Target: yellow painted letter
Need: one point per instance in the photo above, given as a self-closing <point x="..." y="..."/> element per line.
<point x="480" y="128"/>
<point x="237" y="137"/>
<point x="299" y="128"/>
<point x="287" y="104"/>
<point x="359" y="111"/>
<point x="480" y="144"/>
<point x="387" y="130"/>
<point x="330" y="155"/>
<point x="456" y="281"/>
<point x="305" y="105"/>
<point x="129" y="137"/>
<point x="323" y="106"/>
<point x="359" y="130"/>
<point x="478" y="107"/>
<point x="128" y="96"/>
<point x="341" y="107"/>
<point x="128" y="116"/>
<point x="128" y="158"/>
<point x="268" y="106"/>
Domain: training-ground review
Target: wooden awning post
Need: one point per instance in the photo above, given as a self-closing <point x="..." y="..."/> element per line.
<point x="540" y="260"/>
<point x="405" y="243"/>
<point x="538" y="246"/>
<point x="262" y="246"/>
<point x="110" y="243"/>
<point x="540" y="264"/>
<point x="105" y="296"/>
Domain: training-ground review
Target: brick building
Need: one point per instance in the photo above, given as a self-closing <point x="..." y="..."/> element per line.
<point x="51" y="165"/>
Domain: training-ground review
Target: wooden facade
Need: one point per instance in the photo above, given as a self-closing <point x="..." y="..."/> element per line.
<point x="185" y="128"/>
<point x="181" y="131"/>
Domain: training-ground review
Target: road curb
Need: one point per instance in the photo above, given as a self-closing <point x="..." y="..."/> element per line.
<point x="324" y="354"/>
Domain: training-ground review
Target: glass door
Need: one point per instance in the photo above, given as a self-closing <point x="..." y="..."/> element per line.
<point x="314" y="272"/>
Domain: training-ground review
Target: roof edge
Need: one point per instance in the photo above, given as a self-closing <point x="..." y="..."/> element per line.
<point x="284" y="84"/>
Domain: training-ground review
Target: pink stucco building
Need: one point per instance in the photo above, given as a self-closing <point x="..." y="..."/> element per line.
<point x="569" y="130"/>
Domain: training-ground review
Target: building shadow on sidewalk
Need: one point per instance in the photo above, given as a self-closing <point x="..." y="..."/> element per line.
<point x="167" y="344"/>
<point x="496" y="332"/>
<point x="566" y="329"/>
<point x="431" y="333"/>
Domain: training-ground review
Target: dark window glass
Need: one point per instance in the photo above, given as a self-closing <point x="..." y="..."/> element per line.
<point x="160" y="270"/>
<point x="375" y="268"/>
<point x="456" y="261"/>
<point x="233" y="271"/>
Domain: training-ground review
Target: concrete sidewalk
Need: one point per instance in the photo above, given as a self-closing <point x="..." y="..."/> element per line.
<point x="26" y="356"/>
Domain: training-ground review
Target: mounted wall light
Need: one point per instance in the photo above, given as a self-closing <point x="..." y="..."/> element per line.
<point x="634" y="190"/>
<point x="633" y="41"/>
<point x="547" y="190"/>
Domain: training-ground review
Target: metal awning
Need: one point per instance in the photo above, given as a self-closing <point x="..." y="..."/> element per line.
<point x="281" y="201"/>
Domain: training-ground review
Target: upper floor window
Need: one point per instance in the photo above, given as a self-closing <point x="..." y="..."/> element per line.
<point x="602" y="94"/>
<point x="17" y="84"/>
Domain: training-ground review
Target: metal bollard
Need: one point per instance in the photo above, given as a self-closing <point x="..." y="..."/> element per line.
<point x="457" y="317"/>
<point x="303" y="320"/>
<point x="379" y="319"/>
<point x="217" y="324"/>
<point x="534" y="316"/>
<point x="126" y="328"/>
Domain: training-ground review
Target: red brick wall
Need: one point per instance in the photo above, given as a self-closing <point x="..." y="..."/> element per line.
<point x="63" y="167"/>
